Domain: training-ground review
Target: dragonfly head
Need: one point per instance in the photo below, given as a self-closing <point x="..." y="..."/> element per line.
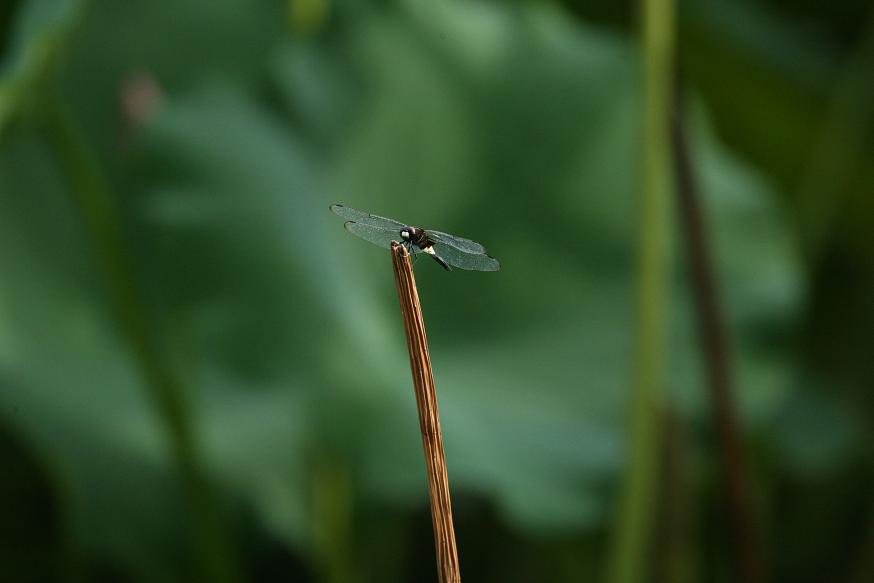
<point x="412" y="234"/>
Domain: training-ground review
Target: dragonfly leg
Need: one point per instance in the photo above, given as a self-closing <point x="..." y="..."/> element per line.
<point x="409" y="247"/>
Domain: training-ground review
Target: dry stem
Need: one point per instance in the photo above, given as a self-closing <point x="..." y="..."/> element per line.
<point x="429" y="420"/>
<point x="713" y="335"/>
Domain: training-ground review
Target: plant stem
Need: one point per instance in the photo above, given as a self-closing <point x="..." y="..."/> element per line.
<point x="714" y="345"/>
<point x="676" y="547"/>
<point x="332" y="519"/>
<point x="429" y="419"/>
<point x="91" y="193"/>
<point x="24" y="81"/>
<point x="633" y="528"/>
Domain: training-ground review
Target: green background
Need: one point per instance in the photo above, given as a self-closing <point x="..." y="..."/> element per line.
<point x="203" y="377"/>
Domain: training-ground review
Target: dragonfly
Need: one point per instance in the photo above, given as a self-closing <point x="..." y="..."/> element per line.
<point x="447" y="250"/>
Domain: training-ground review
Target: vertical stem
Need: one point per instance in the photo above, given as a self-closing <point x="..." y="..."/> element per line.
<point x="429" y="419"/>
<point x="91" y="193"/>
<point x="633" y="529"/>
<point x="675" y="562"/>
<point x="712" y="335"/>
<point x="332" y="520"/>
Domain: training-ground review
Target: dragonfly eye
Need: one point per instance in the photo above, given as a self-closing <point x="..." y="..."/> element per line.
<point x="405" y="233"/>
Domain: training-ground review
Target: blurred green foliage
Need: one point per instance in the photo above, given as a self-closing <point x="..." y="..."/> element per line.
<point x="223" y="131"/>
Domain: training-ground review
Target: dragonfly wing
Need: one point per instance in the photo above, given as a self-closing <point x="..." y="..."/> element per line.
<point x="364" y="218"/>
<point x="460" y="243"/>
<point x="472" y="261"/>
<point x="375" y="235"/>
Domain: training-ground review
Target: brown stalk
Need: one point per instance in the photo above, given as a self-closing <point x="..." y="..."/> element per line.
<point x="429" y="419"/>
<point x="712" y="333"/>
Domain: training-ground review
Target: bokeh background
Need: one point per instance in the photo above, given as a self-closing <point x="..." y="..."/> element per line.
<point x="204" y="378"/>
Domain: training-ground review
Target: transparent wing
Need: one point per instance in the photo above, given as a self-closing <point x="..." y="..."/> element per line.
<point x="376" y="235"/>
<point x="363" y="218"/>
<point x="472" y="261"/>
<point x="460" y="243"/>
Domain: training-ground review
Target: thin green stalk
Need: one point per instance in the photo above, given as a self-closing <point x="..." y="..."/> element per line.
<point x="31" y="65"/>
<point x="633" y="528"/>
<point x="92" y="194"/>
<point x="332" y="520"/>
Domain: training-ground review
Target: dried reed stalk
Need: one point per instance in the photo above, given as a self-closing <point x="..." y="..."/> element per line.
<point x="714" y="337"/>
<point x="429" y="420"/>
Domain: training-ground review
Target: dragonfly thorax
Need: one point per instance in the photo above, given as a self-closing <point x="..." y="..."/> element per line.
<point x="415" y="236"/>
